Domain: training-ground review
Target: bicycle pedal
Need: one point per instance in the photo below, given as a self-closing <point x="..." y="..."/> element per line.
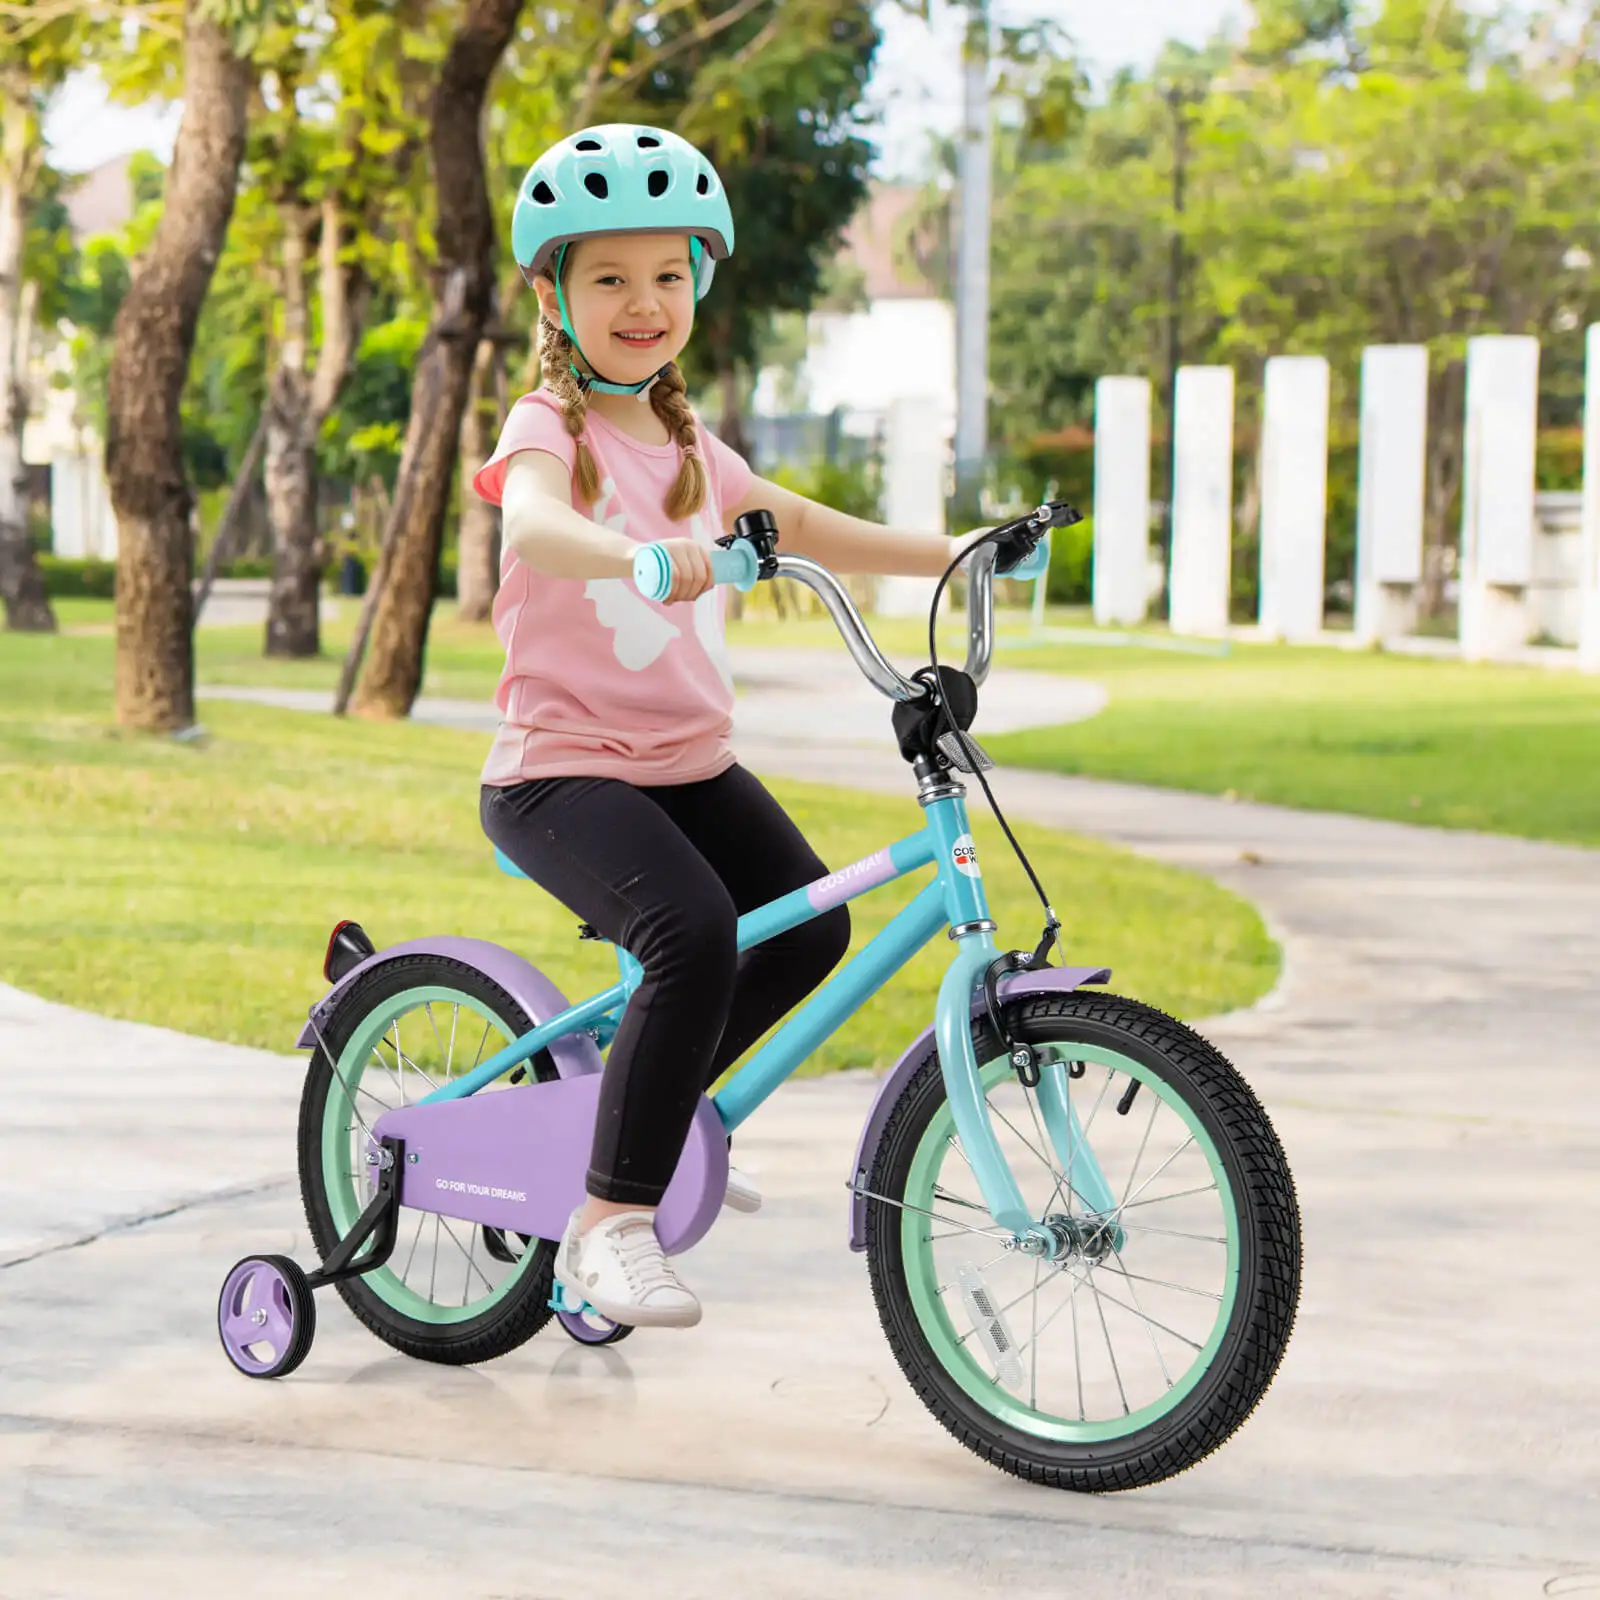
<point x="962" y="752"/>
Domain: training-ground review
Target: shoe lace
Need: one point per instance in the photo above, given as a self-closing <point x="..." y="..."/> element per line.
<point x="640" y="1254"/>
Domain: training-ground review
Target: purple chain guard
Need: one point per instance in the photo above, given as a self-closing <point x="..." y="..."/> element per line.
<point x="517" y="1159"/>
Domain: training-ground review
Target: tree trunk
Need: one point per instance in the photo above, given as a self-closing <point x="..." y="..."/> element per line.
<point x="290" y="473"/>
<point x="478" y="569"/>
<point x="731" y="430"/>
<point x="154" y="336"/>
<point x="297" y="406"/>
<point x="1447" y="418"/>
<point x="463" y="293"/>
<point x="21" y="584"/>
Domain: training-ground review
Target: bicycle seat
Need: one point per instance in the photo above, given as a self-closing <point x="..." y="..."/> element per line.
<point x="507" y="865"/>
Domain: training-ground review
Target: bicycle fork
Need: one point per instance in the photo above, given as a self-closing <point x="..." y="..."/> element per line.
<point x="970" y="1111"/>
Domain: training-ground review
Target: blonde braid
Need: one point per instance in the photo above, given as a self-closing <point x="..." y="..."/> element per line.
<point x="555" y="364"/>
<point x="670" y="401"/>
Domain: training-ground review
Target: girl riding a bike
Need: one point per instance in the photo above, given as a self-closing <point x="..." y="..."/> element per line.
<point x="611" y="782"/>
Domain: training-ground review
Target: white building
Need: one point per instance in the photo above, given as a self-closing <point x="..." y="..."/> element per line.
<point x="901" y="345"/>
<point x="81" y="519"/>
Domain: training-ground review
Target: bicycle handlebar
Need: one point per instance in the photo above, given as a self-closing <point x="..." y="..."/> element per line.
<point x="1027" y="539"/>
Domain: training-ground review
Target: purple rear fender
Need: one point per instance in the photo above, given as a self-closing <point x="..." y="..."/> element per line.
<point x="1053" y="980"/>
<point x="574" y="1055"/>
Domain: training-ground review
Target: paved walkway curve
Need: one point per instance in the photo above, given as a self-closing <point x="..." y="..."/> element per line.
<point x="1431" y="1061"/>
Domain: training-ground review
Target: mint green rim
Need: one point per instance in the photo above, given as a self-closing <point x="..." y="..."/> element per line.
<point x="922" y="1280"/>
<point x="345" y="1204"/>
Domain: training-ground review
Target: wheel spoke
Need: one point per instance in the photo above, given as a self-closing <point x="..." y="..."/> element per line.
<point x="1170" y="1233"/>
<point x="1083" y="1133"/>
<point x="1121" y="1271"/>
<point x="422" y="1217"/>
<point x="1077" y="1358"/>
<point x="1157" y="1199"/>
<point x="1151" y="1325"/>
<point x="1101" y="1294"/>
<point x="1033" y="1343"/>
<point x="1116" y="1371"/>
<point x="1156" y="1174"/>
<point x="905" y="1205"/>
<point x="1049" y="1166"/>
<point x="471" y="1264"/>
<point x="1155" y="1111"/>
<point x="942" y="1193"/>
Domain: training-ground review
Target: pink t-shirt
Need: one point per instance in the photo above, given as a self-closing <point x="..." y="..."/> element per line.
<point x="600" y="682"/>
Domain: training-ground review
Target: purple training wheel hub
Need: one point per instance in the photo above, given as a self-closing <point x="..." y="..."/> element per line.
<point x="255" y="1310"/>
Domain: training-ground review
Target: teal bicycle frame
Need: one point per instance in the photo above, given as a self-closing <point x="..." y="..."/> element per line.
<point x="953" y="899"/>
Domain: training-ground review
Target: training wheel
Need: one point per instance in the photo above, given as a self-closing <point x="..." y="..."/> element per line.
<point x="266" y="1316"/>
<point x="589" y="1327"/>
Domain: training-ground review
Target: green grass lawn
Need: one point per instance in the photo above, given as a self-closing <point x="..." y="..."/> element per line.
<point x="194" y="885"/>
<point x="1502" y="749"/>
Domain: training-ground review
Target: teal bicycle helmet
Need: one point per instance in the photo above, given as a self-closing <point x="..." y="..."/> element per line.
<point x="620" y="177"/>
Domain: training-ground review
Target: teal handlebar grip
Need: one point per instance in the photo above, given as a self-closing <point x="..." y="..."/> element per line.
<point x="652" y="569"/>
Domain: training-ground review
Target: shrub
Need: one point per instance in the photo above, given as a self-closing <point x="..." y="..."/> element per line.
<point x="69" y="578"/>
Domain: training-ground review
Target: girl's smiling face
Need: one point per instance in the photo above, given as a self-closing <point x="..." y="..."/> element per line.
<point x="630" y="299"/>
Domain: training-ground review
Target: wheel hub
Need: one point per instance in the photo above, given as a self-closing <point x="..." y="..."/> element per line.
<point x="1089" y="1239"/>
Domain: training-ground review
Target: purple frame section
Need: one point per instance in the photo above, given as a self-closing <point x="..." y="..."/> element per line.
<point x="847" y="882"/>
<point x="1053" y="980"/>
<point x="518" y="1159"/>
<point x="575" y="1054"/>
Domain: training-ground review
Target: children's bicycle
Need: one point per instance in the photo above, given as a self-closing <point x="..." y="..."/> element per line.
<point x="1081" y="1232"/>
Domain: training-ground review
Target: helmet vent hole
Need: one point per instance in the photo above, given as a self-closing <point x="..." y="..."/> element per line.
<point x="589" y="144"/>
<point x="658" y="183"/>
<point x="702" y="184"/>
<point x="596" y="185"/>
<point x="542" y="194"/>
<point x="648" y="141"/>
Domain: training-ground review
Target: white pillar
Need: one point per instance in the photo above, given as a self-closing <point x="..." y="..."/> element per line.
<point x="1121" y="500"/>
<point x="1294" y="496"/>
<point x="1392" y="487"/>
<point x="1497" y="485"/>
<point x="1589" y="568"/>
<point x="914" y="456"/>
<point x="82" y="522"/>
<point x="1202" y="520"/>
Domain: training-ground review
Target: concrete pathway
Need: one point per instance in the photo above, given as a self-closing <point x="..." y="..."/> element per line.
<point x="796" y="696"/>
<point x="1430" y="1060"/>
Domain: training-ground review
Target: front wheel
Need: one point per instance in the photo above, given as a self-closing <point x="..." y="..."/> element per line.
<point x="1151" y="1336"/>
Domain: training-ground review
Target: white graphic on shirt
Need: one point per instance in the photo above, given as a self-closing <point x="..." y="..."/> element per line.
<point x="708" y="617"/>
<point x="639" y="633"/>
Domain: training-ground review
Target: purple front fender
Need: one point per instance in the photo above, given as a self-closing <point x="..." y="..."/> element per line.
<point x="1053" y="980"/>
<point x="575" y="1054"/>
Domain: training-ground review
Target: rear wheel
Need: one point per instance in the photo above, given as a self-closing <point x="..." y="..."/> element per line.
<point x="451" y="1292"/>
<point x="1151" y="1338"/>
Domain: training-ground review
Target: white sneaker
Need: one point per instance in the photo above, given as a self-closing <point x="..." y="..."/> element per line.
<point x="619" y="1268"/>
<point x="741" y="1195"/>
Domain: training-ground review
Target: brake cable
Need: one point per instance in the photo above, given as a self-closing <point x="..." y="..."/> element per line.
<point x="1024" y="1059"/>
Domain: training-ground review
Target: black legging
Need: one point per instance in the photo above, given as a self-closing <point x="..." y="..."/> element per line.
<point x="666" y="872"/>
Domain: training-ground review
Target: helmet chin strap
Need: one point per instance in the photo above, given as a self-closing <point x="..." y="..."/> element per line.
<point x="592" y="379"/>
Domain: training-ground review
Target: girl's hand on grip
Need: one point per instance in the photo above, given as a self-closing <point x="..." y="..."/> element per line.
<point x="691" y="569"/>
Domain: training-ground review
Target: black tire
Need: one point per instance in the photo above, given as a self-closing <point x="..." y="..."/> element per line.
<point x="525" y="1308"/>
<point x="1268" y="1281"/>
